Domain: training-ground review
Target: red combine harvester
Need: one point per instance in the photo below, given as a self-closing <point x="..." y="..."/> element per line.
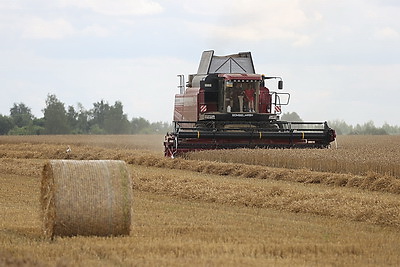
<point x="226" y="105"/>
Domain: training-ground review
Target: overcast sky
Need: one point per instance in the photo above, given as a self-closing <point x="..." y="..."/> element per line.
<point x="339" y="59"/>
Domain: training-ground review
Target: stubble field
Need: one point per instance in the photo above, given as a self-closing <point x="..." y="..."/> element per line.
<point x="238" y="207"/>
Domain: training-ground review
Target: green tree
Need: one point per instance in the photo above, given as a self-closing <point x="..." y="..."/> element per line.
<point x="82" y="124"/>
<point x="6" y="124"/>
<point x="95" y="129"/>
<point x="341" y="127"/>
<point x="391" y="129"/>
<point x="55" y="116"/>
<point x="21" y="115"/>
<point x="293" y="116"/>
<point x="99" y="113"/>
<point x="368" y="128"/>
<point x="161" y="127"/>
<point x="115" y="121"/>
<point x="72" y="118"/>
<point x="39" y="122"/>
<point x="140" y="126"/>
<point x="31" y="129"/>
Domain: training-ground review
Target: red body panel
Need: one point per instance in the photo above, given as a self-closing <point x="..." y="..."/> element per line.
<point x="187" y="105"/>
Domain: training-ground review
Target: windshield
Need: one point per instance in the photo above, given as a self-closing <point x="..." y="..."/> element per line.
<point x="241" y="96"/>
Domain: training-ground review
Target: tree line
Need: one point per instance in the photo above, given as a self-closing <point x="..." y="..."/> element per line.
<point x="367" y="128"/>
<point x="103" y="118"/>
<point x="342" y="128"/>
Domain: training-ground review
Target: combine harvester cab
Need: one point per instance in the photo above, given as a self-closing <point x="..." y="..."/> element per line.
<point x="226" y="105"/>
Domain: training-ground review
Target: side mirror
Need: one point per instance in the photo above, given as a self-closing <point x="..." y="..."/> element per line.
<point x="280" y="84"/>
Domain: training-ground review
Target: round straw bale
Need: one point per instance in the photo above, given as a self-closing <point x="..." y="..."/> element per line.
<point x="86" y="197"/>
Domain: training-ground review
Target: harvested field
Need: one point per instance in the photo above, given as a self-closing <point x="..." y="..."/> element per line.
<point x="135" y="142"/>
<point x="213" y="211"/>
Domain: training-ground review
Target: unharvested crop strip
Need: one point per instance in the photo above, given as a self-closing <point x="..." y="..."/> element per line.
<point x="354" y="161"/>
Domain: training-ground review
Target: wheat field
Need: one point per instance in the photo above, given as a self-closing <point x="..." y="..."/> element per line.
<point x="229" y="208"/>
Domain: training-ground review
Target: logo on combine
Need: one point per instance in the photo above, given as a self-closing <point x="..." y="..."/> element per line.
<point x="278" y="109"/>
<point x="203" y="108"/>
<point x="241" y="115"/>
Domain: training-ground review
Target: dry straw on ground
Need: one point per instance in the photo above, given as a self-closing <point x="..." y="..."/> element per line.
<point x="86" y="197"/>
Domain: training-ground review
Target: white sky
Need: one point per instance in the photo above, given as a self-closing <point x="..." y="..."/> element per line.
<point x="339" y="59"/>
